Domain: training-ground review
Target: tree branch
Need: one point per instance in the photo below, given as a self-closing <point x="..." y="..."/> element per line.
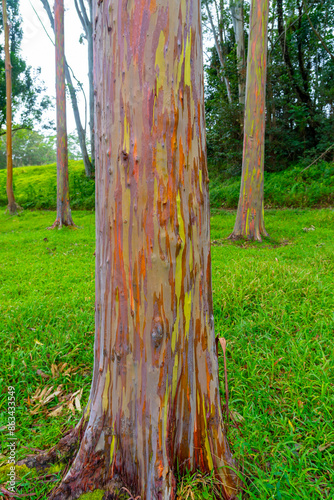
<point x="317" y="34"/>
<point x="219" y="52"/>
<point x="77" y="8"/>
<point x="84" y="14"/>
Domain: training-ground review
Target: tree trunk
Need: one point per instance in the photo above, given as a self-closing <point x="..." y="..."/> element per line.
<point x="12" y="207"/>
<point x="250" y="215"/>
<point x="74" y="101"/>
<point x="64" y="217"/>
<point x="220" y="55"/>
<point x="237" y="12"/>
<point x="154" y="405"/>
<point x="91" y="83"/>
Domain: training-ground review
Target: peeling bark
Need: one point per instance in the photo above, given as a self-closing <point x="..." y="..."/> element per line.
<point x="154" y="402"/>
<point x="64" y="217"/>
<point x="250" y="215"/>
<point x="12" y="206"/>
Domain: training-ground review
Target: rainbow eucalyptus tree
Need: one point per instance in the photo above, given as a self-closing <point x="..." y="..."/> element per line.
<point x="250" y="215"/>
<point x="12" y="206"/>
<point x="64" y="217"/>
<point x="154" y="404"/>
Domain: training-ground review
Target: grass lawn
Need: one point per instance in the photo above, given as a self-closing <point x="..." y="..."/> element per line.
<point x="273" y="302"/>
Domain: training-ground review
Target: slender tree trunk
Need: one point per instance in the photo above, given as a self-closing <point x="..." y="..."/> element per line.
<point x="74" y="101"/>
<point x="154" y="404"/>
<point x="87" y="24"/>
<point x="91" y="82"/>
<point x="220" y="54"/>
<point x="237" y="12"/>
<point x="250" y="215"/>
<point x="64" y="217"/>
<point x="12" y="207"/>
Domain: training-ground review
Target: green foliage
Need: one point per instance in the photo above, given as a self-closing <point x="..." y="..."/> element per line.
<point x="28" y="103"/>
<point x="273" y="303"/>
<point x="36" y="187"/>
<point x="300" y="89"/>
<point x="291" y="188"/>
<point x="29" y="148"/>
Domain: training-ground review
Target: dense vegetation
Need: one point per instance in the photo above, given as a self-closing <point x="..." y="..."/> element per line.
<point x="272" y="302"/>
<point x="35" y="187"/>
<point x="300" y="86"/>
<point x="28" y="101"/>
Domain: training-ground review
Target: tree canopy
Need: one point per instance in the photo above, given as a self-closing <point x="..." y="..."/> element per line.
<point x="28" y="101"/>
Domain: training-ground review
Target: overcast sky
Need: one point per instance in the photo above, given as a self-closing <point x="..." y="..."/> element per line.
<point x="38" y="50"/>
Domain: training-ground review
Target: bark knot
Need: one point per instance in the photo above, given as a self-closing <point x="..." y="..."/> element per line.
<point x="157" y="334"/>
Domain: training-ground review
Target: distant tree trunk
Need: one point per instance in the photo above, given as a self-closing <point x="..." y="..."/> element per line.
<point x="74" y="101"/>
<point x="237" y="12"/>
<point x="225" y="78"/>
<point x="12" y="207"/>
<point x="87" y="24"/>
<point x="64" y="217"/>
<point x="250" y="216"/>
<point x="154" y="405"/>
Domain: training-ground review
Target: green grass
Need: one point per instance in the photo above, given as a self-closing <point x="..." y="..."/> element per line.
<point x="273" y="302"/>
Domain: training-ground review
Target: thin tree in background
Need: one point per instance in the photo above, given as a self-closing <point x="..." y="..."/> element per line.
<point x="80" y="129"/>
<point x="86" y="19"/>
<point x="250" y="215"/>
<point x="12" y="206"/>
<point x="218" y="45"/>
<point x="64" y="217"/>
<point x="154" y="407"/>
<point x="237" y="13"/>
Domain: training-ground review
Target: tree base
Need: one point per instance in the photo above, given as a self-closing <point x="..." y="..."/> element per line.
<point x="13" y="208"/>
<point x="60" y="223"/>
<point x="65" y="449"/>
<point x="249" y="236"/>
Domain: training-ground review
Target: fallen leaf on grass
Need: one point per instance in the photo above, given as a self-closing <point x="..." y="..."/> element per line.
<point x="45" y="396"/>
<point x="38" y="342"/>
<point x="325" y="446"/>
<point x="42" y="374"/>
<point x="54" y="370"/>
<point x="77" y="404"/>
<point x="56" y="412"/>
<point x="236" y="416"/>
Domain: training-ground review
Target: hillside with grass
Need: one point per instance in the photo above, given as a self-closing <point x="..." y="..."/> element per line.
<point x="35" y="187"/>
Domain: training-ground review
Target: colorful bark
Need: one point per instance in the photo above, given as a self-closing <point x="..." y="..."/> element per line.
<point x="12" y="207"/>
<point x="250" y="216"/>
<point x="154" y="403"/>
<point x="64" y="217"/>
